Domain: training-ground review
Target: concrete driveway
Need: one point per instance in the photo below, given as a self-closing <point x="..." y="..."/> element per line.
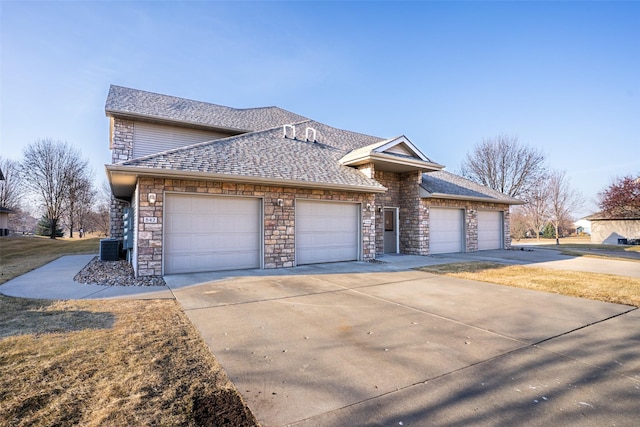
<point x="378" y="344"/>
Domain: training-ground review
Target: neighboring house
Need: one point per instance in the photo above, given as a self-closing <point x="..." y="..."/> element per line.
<point x="614" y="229"/>
<point x="4" y="220"/>
<point x="583" y="226"/>
<point x="218" y="188"/>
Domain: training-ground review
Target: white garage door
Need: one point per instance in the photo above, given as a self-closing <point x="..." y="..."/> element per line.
<point x="326" y="232"/>
<point x="489" y="230"/>
<point x="209" y="233"/>
<point x="446" y="230"/>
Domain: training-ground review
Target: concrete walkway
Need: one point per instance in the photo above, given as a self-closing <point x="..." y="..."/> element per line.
<point x="55" y="281"/>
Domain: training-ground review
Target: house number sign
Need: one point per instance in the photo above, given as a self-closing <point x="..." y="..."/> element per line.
<point x="149" y="220"/>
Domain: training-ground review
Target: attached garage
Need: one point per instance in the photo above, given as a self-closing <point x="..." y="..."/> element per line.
<point x="211" y="233"/>
<point x="446" y="230"/>
<point x="327" y="231"/>
<point x="490" y="234"/>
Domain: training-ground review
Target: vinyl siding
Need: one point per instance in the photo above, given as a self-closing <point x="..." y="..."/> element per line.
<point x="150" y="138"/>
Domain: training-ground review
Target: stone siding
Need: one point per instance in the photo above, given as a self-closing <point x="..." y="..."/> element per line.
<point x="403" y="193"/>
<point x="413" y="221"/>
<point x="121" y="144"/>
<point x="121" y="140"/>
<point x="389" y="199"/>
<point x="116" y="221"/>
<point x="278" y="222"/>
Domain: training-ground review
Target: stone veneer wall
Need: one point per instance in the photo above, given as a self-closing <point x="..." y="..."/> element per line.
<point x="121" y="140"/>
<point x="413" y="220"/>
<point x="116" y="222"/>
<point x="389" y="199"/>
<point x="121" y="144"/>
<point x="278" y="225"/>
<point x="471" y="218"/>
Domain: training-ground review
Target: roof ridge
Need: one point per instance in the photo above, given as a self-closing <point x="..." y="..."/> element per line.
<point x="207" y="102"/>
<point x="171" y="96"/>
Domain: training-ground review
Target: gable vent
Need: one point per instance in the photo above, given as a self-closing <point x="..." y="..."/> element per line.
<point x="289" y="131"/>
<point x="310" y="131"/>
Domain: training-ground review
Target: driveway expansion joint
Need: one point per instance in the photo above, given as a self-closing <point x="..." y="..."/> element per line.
<point x="586" y="326"/>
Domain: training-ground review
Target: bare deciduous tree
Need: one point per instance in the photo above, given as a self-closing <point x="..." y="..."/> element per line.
<point x="79" y="201"/>
<point x="22" y="221"/>
<point x="536" y="210"/>
<point x="47" y="170"/>
<point x="563" y="200"/>
<point x="99" y="220"/>
<point x="519" y="225"/>
<point x="10" y="188"/>
<point x="503" y="164"/>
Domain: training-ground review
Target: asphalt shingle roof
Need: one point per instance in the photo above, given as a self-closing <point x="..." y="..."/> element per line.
<point x="267" y="154"/>
<point x="126" y="101"/>
<point x="446" y="183"/>
<point x="262" y="152"/>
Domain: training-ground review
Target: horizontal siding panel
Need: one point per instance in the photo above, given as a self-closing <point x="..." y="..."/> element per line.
<point x="400" y="149"/>
<point x="149" y="138"/>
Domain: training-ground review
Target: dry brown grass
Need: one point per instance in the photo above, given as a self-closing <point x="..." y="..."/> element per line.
<point x="103" y="363"/>
<point x="117" y="362"/>
<point x="601" y="287"/>
<point x="20" y="254"/>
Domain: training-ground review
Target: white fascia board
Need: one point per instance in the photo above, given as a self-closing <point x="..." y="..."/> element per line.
<point x="388" y="158"/>
<point x="419" y="164"/>
<point x="399" y="140"/>
<point x="159" y="173"/>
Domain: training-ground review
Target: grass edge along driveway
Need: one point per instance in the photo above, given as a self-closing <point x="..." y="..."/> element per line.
<point x="594" y="286"/>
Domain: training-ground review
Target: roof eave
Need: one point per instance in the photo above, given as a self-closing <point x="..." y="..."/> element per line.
<point x="133" y="172"/>
<point x="424" y="194"/>
<point x="386" y="158"/>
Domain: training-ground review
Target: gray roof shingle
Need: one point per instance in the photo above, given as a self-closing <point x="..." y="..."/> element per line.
<point x="262" y="152"/>
<point x="447" y="184"/>
<point x="133" y="102"/>
<point x="267" y="154"/>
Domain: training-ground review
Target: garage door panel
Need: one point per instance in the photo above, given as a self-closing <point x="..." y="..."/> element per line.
<point x="178" y="263"/>
<point x="446" y="230"/>
<point x="309" y="239"/>
<point x="489" y="230"/>
<point x="178" y="243"/>
<point x="179" y="223"/>
<point x="327" y="232"/>
<point x="208" y="233"/>
<point x="232" y="242"/>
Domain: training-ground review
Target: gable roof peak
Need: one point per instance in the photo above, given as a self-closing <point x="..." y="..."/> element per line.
<point x="397" y="154"/>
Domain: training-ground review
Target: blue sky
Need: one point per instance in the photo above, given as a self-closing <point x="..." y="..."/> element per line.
<point x="562" y="76"/>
